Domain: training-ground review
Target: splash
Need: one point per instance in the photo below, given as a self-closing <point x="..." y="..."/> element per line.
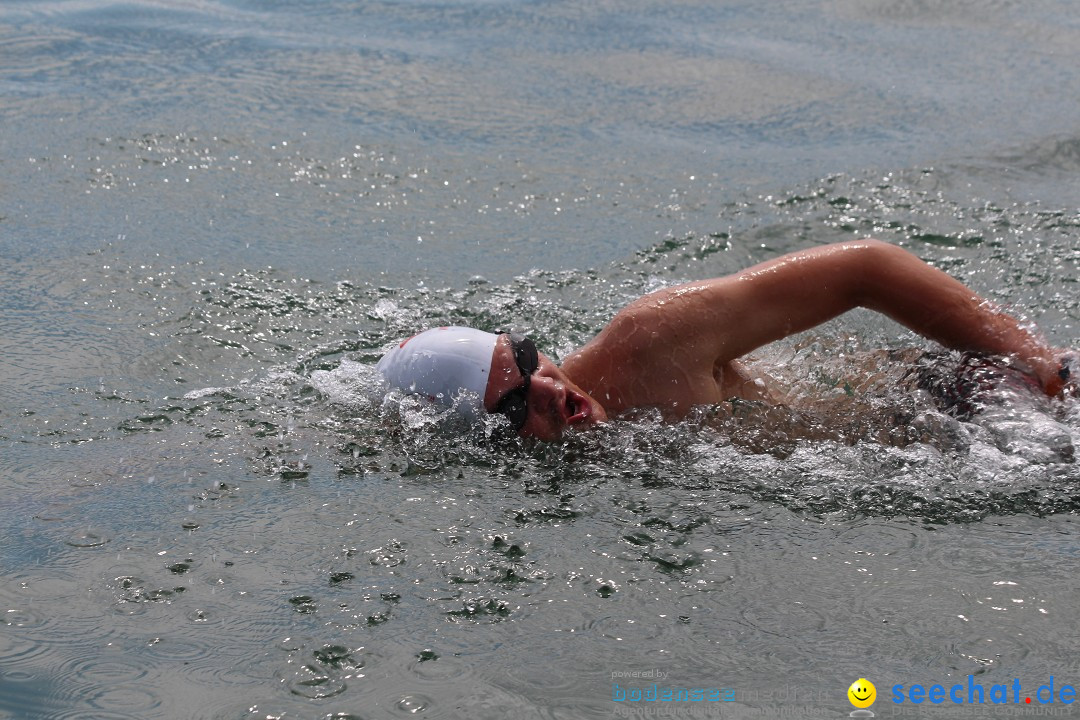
<point x="870" y="421"/>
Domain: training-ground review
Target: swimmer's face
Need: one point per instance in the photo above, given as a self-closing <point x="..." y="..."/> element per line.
<point x="553" y="402"/>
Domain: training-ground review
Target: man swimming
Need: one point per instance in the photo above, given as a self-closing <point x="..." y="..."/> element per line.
<point x="679" y="347"/>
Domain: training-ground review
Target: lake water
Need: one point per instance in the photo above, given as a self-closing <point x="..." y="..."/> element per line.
<point x="214" y="215"/>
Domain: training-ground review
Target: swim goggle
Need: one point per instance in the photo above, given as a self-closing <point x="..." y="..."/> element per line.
<point x="515" y="403"/>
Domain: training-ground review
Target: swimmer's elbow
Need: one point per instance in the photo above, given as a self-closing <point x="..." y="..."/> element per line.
<point x="878" y="267"/>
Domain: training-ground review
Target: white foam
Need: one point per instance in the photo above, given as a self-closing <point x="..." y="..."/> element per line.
<point x="350" y="383"/>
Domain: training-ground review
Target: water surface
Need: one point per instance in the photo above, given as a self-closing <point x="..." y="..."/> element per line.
<point x="215" y="215"/>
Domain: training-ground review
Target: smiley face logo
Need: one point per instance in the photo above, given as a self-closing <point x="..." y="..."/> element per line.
<point x="862" y="693"/>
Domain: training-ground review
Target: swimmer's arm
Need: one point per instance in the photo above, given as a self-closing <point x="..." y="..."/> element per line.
<point x="796" y="292"/>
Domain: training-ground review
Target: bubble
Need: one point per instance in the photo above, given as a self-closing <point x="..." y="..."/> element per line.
<point x="413" y="704"/>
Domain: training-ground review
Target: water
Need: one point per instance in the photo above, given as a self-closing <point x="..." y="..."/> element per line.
<point x="213" y="216"/>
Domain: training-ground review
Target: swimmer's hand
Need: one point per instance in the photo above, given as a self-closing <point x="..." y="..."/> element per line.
<point x="1061" y="378"/>
<point x="1069" y="372"/>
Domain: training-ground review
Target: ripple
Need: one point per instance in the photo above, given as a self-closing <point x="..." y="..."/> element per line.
<point x="304" y="604"/>
<point x="414" y="704"/>
<point x="338" y="657"/>
<point x="24" y="617"/>
<point x="323" y="672"/>
<point x="785" y="619"/>
<point x="132" y="592"/>
<point x="172" y="650"/>
<point x="17" y="676"/>
<point x="551" y="678"/>
<point x="17" y="649"/>
<point x="103" y="671"/>
<point x="239" y="710"/>
<point x="314" y="682"/>
<point x="481" y="609"/>
<point x="215" y="613"/>
<point x="240" y="669"/>
<point x="429" y="666"/>
<point x="574" y="708"/>
<point x="896" y="537"/>
<point x="125" y="698"/>
<point x="87" y="539"/>
<point x="290" y="644"/>
<point x="626" y="629"/>
<point x="81" y="714"/>
<point x="199" y="615"/>
<point x="239" y="662"/>
<point x="390" y="555"/>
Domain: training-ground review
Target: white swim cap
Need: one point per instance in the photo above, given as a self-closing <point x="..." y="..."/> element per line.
<point x="449" y="365"/>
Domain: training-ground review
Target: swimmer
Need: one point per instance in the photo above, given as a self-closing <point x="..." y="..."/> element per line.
<point x="680" y="347"/>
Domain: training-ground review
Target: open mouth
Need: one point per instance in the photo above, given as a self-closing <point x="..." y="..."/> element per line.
<point x="577" y="410"/>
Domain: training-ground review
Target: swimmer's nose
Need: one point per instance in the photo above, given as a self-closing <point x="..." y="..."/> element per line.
<point x="545" y="393"/>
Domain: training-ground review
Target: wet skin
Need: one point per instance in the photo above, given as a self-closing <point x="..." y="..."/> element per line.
<point x="555" y="403"/>
<point x="680" y="347"/>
